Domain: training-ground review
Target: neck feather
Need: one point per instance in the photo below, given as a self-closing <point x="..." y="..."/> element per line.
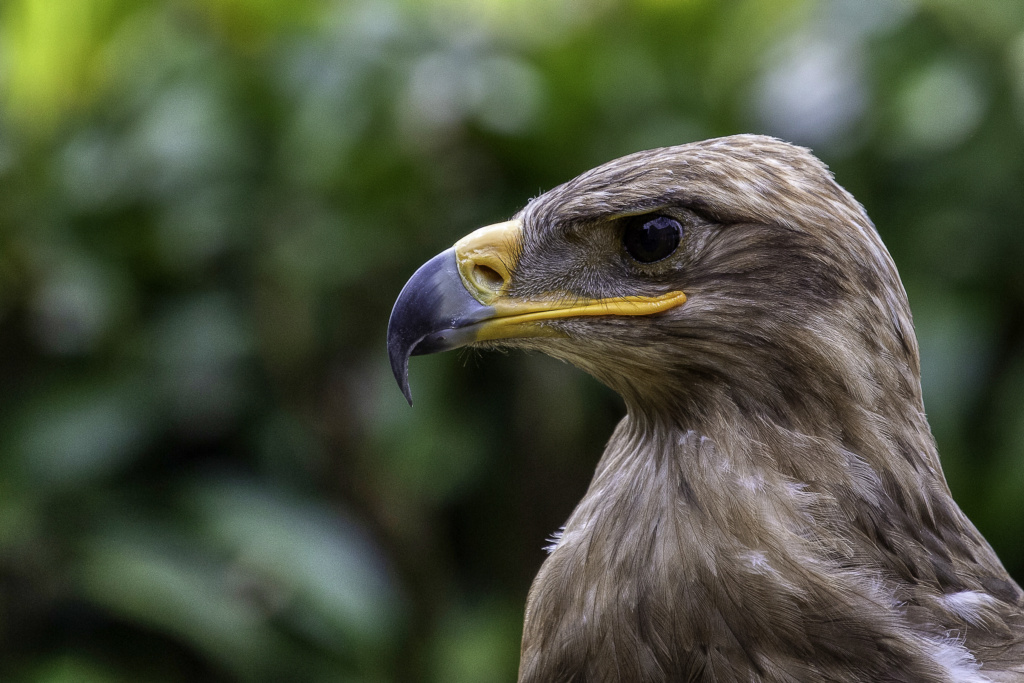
<point x="721" y="545"/>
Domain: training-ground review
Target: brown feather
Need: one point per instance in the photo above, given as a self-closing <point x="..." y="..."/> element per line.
<point x="772" y="507"/>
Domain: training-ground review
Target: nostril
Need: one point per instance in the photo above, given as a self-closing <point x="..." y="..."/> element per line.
<point x="487" y="277"/>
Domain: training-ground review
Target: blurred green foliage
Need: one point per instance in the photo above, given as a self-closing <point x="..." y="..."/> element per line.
<point x="207" y="208"/>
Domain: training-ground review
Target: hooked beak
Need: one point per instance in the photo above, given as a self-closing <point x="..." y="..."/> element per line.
<point x="461" y="296"/>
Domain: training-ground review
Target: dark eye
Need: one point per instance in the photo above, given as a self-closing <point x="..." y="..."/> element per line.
<point x="651" y="238"/>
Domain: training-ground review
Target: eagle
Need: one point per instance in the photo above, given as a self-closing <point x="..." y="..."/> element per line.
<point x="772" y="506"/>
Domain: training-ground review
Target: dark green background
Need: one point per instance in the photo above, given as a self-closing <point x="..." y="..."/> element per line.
<point x="208" y="207"/>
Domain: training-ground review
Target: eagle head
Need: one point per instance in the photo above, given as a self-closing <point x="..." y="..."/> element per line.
<point x="675" y="275"/>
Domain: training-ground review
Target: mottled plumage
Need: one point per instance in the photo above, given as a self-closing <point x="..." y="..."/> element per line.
<point x="772" y="507"/>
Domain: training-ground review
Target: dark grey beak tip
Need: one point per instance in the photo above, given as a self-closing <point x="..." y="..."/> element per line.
<point x="400" y="368"/>
<point x="432" y="314"/>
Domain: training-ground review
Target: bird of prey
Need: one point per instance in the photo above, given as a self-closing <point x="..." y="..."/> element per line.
<point x="771" y="507"/>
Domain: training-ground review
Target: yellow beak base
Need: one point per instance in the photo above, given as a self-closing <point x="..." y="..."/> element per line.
<point x="486" y="259"/>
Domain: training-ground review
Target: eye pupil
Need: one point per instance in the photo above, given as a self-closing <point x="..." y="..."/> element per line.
<point x="649" y="239"/>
